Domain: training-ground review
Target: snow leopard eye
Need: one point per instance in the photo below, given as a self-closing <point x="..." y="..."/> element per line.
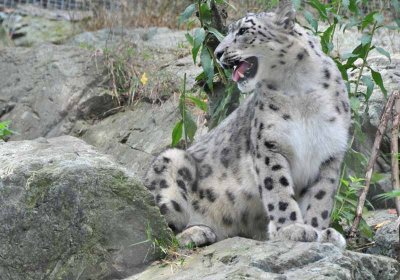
<point x="242" y="31"/>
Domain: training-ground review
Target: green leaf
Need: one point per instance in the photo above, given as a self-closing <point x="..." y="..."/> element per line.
<point x="342" y="70"/>
<point x="376" y="76"/>
<point x="205" y="13"/>
<point x="311" y="20"/>
<point x="354" y="103"/>
<point x="208" y="66"/>
<point x="387" y="195"/>
<point x="353" y="6"/>
<point x="379" y="18"/>
<point x="4" y="129"/>
<point x="189" y="38"/>
<point x="321" y="8"/>
<point x="348" y="55"/>
<point x="216" y="33"/>
<point x="366" y="229"/>
<point x="351" y="23"/>
<point x="200" y="77"/>
<point x="187" y="13"/>
<point x="359" y="52"/>
<point x="368" y="19"/>
<point x="202" y="105"/>
<point x="177" y="133"/>
<point x="190" y="126"/>
<point x="366" y="39"/>
<point x="376" y="177"/>
<point x="384" y="52"/>
<point x="370" y="86"/>
<point x="199" y="36"/>
<point x="326" y="43"/>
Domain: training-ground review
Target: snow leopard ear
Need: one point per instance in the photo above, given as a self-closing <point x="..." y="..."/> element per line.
<point x="285" y="15"/>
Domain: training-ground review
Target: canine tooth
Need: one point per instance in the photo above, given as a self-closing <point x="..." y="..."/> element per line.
<point x="240" y="75"/>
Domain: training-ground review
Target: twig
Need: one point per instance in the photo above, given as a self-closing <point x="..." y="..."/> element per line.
<point x="364" y="246"/>
<point x="395" y="151"/>
<point x="370" y="167"/>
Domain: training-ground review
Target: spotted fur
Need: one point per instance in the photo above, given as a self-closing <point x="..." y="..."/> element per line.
<point x="271" y="168"/>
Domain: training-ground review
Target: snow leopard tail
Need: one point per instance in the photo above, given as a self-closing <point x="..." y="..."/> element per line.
<point x="171" y="179"/>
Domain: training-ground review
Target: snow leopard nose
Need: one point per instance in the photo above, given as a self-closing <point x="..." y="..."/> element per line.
<point x="218" y="53"/>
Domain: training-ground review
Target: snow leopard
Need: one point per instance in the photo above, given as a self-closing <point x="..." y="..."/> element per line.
<point x="271" y="169"/>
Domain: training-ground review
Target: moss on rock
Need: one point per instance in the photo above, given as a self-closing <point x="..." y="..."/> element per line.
<point x="72" y="212"/>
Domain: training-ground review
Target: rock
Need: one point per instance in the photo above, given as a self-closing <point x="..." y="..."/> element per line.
<point x="69" y="212"/>
<point x="45" y="89"/>
<point x="153" y="37"/>
<point x="346" y="41"/>
<point x="4" y="38"/>
<point x="390" y="71"/>
<point x="387" y="234"/>
<point x="167" y="49"/>
<point x="57" y="10"/>
<point x="135" y="135"/>
<point x="27" y="31"/>
<point x="240" y="258"/>
<point x="104" y="38"/>
<point x="387" y="241"/>
<point x="377" y="217"/>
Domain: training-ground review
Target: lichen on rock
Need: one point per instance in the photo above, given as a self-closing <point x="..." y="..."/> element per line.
<point x="68" y="211"/>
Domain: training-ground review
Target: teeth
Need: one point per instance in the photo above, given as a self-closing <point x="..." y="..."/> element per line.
<point x="240" y="75"/>
<point x="234" y="67"/>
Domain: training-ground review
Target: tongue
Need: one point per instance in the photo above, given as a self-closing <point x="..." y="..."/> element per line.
<point x="240" y="70"/>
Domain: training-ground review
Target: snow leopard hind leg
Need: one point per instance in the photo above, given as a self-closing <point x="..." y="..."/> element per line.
<point x="171" y="179"/>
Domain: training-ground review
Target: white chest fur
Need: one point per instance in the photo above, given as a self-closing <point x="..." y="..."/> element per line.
<point x="313" y="140"/>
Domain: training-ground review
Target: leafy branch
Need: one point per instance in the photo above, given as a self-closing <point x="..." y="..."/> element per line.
<point x="5" y="130"/>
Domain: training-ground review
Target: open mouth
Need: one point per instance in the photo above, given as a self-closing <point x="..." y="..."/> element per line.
<point x="244" y="69"/>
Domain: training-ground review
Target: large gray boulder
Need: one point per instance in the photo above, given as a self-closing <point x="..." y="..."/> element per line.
<point x="239" y="258"/>
<point x="135" y="135"/>
<point x="69" y="212"/>
<point x="45" y="89"/>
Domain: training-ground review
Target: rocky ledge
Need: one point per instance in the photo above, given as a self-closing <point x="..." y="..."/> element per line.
<point x="240" y="258"/>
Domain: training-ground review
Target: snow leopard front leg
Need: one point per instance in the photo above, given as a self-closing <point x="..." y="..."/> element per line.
<point x="274" y="179"/>
<point x="276" y="187"/>
<point x="277" y="194"/>
<point x="316" y="201"/>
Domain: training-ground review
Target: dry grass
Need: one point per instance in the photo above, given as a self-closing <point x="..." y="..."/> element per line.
<point x="136" y="14"/>
<point x="165" y="12"/>
<point x="131" y="74"/>
<point x="157" y="12"/>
